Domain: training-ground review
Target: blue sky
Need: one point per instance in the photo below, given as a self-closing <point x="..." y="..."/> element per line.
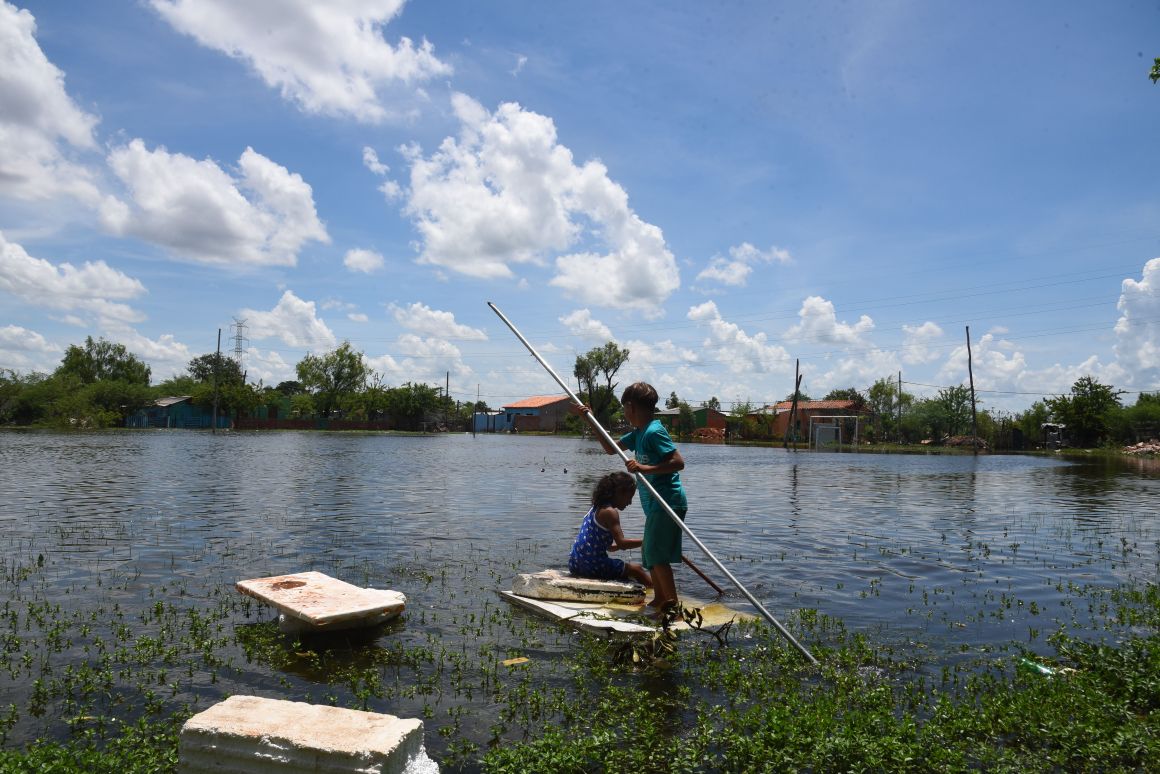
<point x="722" y="189"/>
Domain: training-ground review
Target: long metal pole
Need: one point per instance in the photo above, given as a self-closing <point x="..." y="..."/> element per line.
<point x="645" y="482"/>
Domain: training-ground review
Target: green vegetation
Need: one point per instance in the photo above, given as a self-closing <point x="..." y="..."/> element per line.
<point x="101" y="384"/>
<point x="105" y="687"/>
<point x="595" y="371"/>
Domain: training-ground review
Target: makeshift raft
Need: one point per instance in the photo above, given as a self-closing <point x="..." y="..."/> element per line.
<point x="594" y="604"/>
<point x="315" y="602"/>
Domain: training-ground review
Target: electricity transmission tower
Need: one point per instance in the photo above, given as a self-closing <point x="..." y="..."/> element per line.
<point x="240" y="340"/>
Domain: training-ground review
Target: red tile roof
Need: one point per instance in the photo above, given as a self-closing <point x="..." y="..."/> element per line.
<point x="816" y="405"/>
<point x="536" y="401"/>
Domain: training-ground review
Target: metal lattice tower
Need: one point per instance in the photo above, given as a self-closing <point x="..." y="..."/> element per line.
<point x="240" y="340"/>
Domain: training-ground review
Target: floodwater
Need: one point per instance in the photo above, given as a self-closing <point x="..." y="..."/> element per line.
<point x="905" y="548"/>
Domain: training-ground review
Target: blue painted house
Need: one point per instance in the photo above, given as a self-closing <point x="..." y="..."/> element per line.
<point x="177" y="411"/>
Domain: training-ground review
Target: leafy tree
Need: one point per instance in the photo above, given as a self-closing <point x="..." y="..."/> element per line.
<point x="883" y="400"/>
<point x="290" y="388"/>
<point x="1031" y="422"/>
<point x="847" y="393"/>
<point x="103" y="360"/>
<point x="685" y="422"/>
<point x="22" y="397"/>
<point x="802" y="397"/>
<point x="177" y="385"/>
<point x="954" y="405"/>
<point x="596" y="370"/>
<point x="412" y="404"/>
<point x="1088" y="411"/>
<point x="1155" y="74"/>
<point x="205" y="368"/>
<point x="673" y="401"/>
<point x="742" y="408"/>
<point x="712" y="403"/>
<point x="333" y="376"/>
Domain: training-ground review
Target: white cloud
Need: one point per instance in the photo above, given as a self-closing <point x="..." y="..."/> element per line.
<point x="40" y="125"/>
<point x="200" y="212"/>
<point x="422" y="361"/>
<point x="366" y="261"/>
<point x="371" y="162"/>
<point x="328" y="58"/>
<point x="26" y="351"/>
<point x="357" y="317"/>
<point x="521" y="61"/>
<point x="426" y="321"/>
<point x="95" y="289"/>
<point x="819" y="323"/>
<point x="735" y="269"/>
<point x="581" y="323"/>
<point x="919" y="342"/>
<point x="292" y="320"/>
<point x="165" y="355"/>
<point x="739" y="351"/>
<point x="505" y="192"/>
<point x="269" y="367"/>
<point x="1138" y="329"/>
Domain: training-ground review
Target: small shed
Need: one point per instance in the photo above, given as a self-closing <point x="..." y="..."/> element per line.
<point x="490" y="422"/>
<point x="544" y="413"/>
<point x="177" y="411"/>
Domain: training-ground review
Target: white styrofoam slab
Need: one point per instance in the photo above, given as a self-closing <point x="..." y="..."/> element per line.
<point x="556" y="584"/>
<point x="254" y="734"/>
<point x="323" y="601"/>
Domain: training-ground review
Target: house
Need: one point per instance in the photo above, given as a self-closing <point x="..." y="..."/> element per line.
<point x="821" y="411"/>
<point x="176" y="411"/>
<point x="545" y="413"/>
<point x="703" y="416"/>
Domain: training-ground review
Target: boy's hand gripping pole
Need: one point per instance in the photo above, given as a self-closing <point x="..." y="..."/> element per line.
<point x="645" y="482"/>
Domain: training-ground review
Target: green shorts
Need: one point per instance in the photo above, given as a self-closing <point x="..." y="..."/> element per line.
<point x="662" y="538"/>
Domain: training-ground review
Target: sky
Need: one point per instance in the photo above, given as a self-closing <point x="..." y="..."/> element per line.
<point x="729" y="191"/>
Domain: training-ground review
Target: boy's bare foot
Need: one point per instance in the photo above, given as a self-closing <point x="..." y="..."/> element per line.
<point x="663" y="609"/>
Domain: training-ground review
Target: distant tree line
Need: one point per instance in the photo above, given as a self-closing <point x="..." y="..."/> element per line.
<point x="101" y="384"/>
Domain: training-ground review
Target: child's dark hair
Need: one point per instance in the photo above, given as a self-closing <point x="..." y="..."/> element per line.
<point x="640" y="394"/>
<point x="610" y="485"/>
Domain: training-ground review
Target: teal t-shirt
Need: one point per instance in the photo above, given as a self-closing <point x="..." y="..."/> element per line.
<point x="650" y="446"/>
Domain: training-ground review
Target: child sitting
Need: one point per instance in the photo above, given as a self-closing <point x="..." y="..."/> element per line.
<point x="600" y="533"/>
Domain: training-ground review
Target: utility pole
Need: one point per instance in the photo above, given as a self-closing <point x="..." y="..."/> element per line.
<point x="974" y="415"/>
<point x="899" y="408"/>
<point x="797" y="383"/>
<point x="216" y="359"/>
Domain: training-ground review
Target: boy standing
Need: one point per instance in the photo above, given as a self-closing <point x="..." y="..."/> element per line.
<point x="657" y="457"/>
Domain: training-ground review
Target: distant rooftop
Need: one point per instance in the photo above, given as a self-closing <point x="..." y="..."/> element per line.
<point x="536" y="401"/>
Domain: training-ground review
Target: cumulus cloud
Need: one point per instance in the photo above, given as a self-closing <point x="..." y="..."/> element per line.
<point x="739" y="351"/>
<point x="163" y="355"/>
<point x="328" y="58"/>
<point x="505" y="192"/>
<point x="269" y="367"/>
<point x="371" y="162"/>
<point x="819" y="323"/>
<point x="199" y="211"/>
<point x="1138" y="329"/>
<point x="41" y="127"/>
<point x="24" y="350"/>
<point x="292" y="320"/>
<point x="421" y="360"/>
<point x="94" y="291"/>
<point x="735" y="269"/>
<point x="919" y="341"/>
<point x="357" y="317"/>
<point x="365" y="261"/>
<point x="581" y="323"/>
<point x="426" y="321"/>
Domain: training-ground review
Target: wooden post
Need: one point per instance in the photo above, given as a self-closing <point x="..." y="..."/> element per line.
<point x="797" y="383"/>
<point x="974" y="416"/>
<point x="216" y="359"/>
<point x="899" y="408"/>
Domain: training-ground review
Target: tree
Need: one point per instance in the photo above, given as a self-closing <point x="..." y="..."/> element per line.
<point x="205" y="368"/>
<point x="1155" y="74"/>
<point x="802" y="397"/>
<point x="847" y="393"/>
<point x="596" y="370"/>
<point x="103" y="361"/>
<point x="954" y="405"/>
<point x="411" y="404"/>
<point x="333" y="376"/>
<point x="673" y="401"/>
<point x="290" y="388"/>
<point x="685" y="422"/>
<point x="712" y="403"/>
<point x="884" y="400"/>
<point x="1087" y="412"/>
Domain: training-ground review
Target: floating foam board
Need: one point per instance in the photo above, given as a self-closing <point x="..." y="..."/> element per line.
<point x="252" y="734"/>
<point x="555" y="584"/>
<point x="618" y="621"/>
<point x="315" y="601"/>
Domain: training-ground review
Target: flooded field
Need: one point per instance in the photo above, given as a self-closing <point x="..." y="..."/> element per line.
<point x="120" y="551"/>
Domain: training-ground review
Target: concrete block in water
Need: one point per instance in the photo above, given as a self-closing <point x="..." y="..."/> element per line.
<point x="554" y="584"/>
<point x="252" y="734"/>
